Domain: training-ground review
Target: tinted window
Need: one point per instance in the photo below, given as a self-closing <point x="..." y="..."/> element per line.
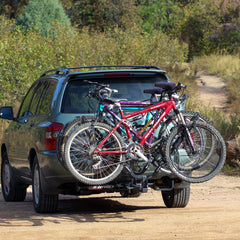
<point x="46" y="98"/>
<point x="36" y="97"/>
<point x="75" y="100"/>
<point x="24" y="109"/>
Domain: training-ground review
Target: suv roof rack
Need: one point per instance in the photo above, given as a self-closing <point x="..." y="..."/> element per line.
<point x="65" y="70"/>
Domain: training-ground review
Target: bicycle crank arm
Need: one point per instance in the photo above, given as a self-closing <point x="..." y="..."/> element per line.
<point x="141" y="155"/>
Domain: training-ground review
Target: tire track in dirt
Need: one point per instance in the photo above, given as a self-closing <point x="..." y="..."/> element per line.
<point x="212" y="90"/>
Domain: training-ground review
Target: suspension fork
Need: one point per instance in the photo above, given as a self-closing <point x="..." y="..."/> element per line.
<point x="187" y="134"/>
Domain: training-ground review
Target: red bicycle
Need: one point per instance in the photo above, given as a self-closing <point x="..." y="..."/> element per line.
<point x="96" y="152"/>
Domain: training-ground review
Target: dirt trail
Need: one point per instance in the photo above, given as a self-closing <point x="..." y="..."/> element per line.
<point x="212" y="90"/>
<point x="212" y="213"/>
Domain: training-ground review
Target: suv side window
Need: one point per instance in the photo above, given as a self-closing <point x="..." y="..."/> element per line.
<point x="46" y="98"/>
<point x="24" y="109"/>
<point x="36" y="97"/>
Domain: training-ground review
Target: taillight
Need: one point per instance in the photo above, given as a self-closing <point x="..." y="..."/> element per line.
<point x="51" y="135"/>
<point x="117" y="74"/>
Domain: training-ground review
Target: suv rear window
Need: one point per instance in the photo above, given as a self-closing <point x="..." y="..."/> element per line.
<point x="76" y="101"/>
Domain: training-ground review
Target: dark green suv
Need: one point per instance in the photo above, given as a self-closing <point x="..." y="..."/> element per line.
<point x="28" y="149"/>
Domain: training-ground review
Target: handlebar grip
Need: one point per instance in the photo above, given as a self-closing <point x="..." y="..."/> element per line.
<point x="180" y="86"/>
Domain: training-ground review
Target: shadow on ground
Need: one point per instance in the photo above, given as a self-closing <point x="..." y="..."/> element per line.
<point x="87" y="209"/>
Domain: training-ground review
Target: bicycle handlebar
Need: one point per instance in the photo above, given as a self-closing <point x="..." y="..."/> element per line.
<point x="180" y="86"/>
<point x="170" y="87"/>
<point x="96" y="83"/>
<point x="100" y="91"/>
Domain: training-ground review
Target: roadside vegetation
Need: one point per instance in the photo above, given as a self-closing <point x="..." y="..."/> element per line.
<point x="228" y="68"/>
<point x="228" y="123"/>
<point x="181" y="37"/>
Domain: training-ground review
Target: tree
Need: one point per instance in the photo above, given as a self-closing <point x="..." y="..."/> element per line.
<point x="42" y="14"/>
<point x="11" y="8"/>
<point x="159" y="15"/>
<point x="103" y="14"/>
<point x="211" y="26"/>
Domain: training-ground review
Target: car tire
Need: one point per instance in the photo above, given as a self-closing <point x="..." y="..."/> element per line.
<point x="11" y="190"/>
<point x="43" y="203"/>
<point x="176" y="198"/>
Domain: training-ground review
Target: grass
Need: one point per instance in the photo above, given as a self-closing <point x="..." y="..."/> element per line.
<point x="231" y="171"/>
<point x="226" y="67"/>
<point x="228" y="124"/>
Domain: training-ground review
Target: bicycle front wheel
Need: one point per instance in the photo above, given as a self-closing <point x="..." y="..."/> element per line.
<point x="82" y="161"/>
<point x="198" y="161"/>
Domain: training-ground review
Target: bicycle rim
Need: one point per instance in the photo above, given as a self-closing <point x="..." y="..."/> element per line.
<point x="88" y="167"/>
<point x="202" y="164"/>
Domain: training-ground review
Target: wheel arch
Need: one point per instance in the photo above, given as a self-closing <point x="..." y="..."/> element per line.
<point x="3" y="149"/>
<point x="31" y="156"/>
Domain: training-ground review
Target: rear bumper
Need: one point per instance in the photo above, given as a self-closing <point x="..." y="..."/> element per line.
<point x="55" y="179"/>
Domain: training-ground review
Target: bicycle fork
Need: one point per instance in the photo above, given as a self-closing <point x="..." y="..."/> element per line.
<point x="186" y="131"/>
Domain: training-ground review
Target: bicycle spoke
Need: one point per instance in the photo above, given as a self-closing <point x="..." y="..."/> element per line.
<point x="202" y="164"/>
<point x="88" y="165"/>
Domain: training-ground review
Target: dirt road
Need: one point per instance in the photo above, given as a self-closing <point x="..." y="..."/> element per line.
<point x="212" y="90"/>
<point x="212" y="213"/>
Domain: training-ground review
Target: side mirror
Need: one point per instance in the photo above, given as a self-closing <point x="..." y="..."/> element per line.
<point x="6" y="113"/>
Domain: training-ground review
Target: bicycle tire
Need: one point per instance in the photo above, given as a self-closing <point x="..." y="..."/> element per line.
<point x="198" y="167"/>
<point x="204" y="141"/>
<point x="202" y="119"/>
<point x="79" y="157"/>
<point x="171" y="121"/>
<point x="65" y="131"/>
<point x="188" y="115"/>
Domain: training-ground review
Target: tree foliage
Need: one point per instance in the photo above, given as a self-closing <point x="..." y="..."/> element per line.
<point x="102" y="14"/>
<point x="25" y="56"/>
<point x="159" y="15"/>
<point x="42" y="14"/>
<point x="207" y="26"/>
<point x="11" y="8"/>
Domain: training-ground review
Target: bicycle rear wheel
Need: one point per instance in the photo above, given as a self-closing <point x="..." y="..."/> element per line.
<point x="63" y="135"/>
<point x="204" y="162"/>
<point x="83" y="163"/>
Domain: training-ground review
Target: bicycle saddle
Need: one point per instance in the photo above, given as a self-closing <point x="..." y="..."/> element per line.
<point x="153" y="90"/>
<point x="166" y="85"/>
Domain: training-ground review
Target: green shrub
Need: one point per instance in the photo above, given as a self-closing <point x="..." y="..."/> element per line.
<point x="25" y="56"/>
<point x="42" y="14"/>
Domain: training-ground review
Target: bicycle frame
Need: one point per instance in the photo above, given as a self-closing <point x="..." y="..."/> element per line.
<point x="167" y="106"/>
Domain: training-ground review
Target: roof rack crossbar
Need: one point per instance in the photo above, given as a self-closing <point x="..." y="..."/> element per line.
<point x="65" y="70"/>
<point x="116" y="66"/>
<point x="57" y="71"/>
